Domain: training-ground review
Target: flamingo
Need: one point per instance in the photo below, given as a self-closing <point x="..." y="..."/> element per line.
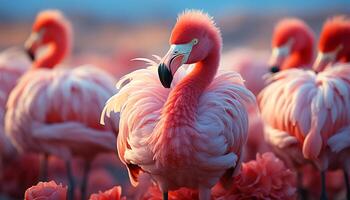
<point x="186" y="128"/>
<point x="292" y="47"/>
<point x="334" y="52"/>
<point x="307" y="113"/>
<point x="13" y="64"/>
<point x="55" y="110"/>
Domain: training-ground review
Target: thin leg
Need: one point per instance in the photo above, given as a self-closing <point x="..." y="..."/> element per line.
<point x="71" y="184"/>
<point x="347" y="183"/>
<point x="165" y="195"/>
<point x="85" y="179"/>
<point x="301" y="190"/>
<point x="323" y="191"/>
<point x="204" y="193"/>
<point x="44" y="167"/>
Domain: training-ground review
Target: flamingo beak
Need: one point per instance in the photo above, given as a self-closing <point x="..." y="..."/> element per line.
<point x="177" y="55"/>
<point x="31" y="44"/>
<point x="277" y="57"/>
<point x="325" y="59"/>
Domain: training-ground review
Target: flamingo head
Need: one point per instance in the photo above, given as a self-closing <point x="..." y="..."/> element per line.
<point x="291" y="36"/>
<point x="192" y="39"/>
<point x="334" y="44"/>
<point x="50" y="29"/>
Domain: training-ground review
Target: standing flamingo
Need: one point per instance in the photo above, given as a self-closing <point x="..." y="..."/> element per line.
<point x="334" y="51"/>
<point x="310" y="111"/>
<point x="13" y="64"/>
<point x="292" y="47"/>
<point x="55" y="110"/>
<point x="189" y="133"/>
<point x="254" y="66"/>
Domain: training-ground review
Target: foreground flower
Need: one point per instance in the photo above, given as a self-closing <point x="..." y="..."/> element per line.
<point x="46" y="191"/>
<point x="264" y="178"/>
<point x="112" y="194"/>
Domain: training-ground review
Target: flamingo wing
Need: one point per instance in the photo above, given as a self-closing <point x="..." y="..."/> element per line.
<point x="223" y="122"/>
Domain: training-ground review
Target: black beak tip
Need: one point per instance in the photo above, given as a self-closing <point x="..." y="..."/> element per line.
<point x="165" y="75"/>
<point x="274" y="69"/>
<point x="30" y="54"/>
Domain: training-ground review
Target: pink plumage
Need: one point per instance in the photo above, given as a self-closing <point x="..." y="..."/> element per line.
<point x="13" y="64"/>
<point x="309" y="110"/>
<point x="56" y="111"/>
<point x="193" y="133"/>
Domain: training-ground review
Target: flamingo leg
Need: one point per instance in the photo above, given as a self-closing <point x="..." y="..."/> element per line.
<point x="323" y="182"/>
<point x="85" y="179"/>
<point x="44" y="167"/>
<point x="165" y="195"/>
<point x="71" y="184"/>
<point x="204" y="193"/>
<point x="301" y="190"/>
<point x="346" y="177"/>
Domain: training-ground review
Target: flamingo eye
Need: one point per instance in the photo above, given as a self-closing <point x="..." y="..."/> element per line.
<point x="195" y="41"/>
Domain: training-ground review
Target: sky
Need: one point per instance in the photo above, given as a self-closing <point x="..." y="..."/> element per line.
<point x="139" y="10"/>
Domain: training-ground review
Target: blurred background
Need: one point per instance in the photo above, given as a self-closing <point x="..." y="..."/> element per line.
<point x="142" y="27"/>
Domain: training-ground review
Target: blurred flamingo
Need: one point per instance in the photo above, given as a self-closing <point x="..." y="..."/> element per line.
<point x="334" y="52"/>
<point x="55" y="110"/>
<point x="189" y="133"/>
<point x="254" y="67"/>
<point x="292" y="47"/>
<point x="307" y="113"/>
<point x="13" y="64"/>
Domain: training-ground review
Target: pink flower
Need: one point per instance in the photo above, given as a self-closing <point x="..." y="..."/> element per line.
<point x="112" y="194"/>
<point x="264" y="178"/>
<point x="154" y="193"/>
<point x="46" y="191"/>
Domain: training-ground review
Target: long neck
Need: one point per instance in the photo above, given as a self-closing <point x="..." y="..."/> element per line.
<point x="298" y="59"/>
<point x="181" y="105"/>
<point x="54" y="55"/>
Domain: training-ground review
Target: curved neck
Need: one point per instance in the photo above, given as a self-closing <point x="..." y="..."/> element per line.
<point x="298" y="59"/>
<point x="181" y="105"/>
<point x="55" y="54"/>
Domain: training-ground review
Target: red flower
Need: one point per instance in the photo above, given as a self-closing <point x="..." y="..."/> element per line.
<point x="112" y="194"/>
<point x="46" y="191"/>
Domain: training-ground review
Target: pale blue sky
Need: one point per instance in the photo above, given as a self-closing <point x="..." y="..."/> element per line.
<point x="135" y="10"/>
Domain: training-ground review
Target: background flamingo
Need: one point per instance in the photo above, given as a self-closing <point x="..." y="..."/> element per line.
<point x="13" y="64"/>
<point x="291" y="39"/>
<point x="334" y="51"/>
<point x="193" y="133"/>
<point x="56" y="110"/>
<point x="310" y="111"/>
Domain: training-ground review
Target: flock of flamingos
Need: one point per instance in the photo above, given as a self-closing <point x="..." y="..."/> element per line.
<point x="188" y="125"/>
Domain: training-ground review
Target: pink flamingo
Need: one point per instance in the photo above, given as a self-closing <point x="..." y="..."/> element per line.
<point x="13" y="64"/>
<point x="333" y="55"/>
<point x="55" y="110"/>
<point x="189" y="133"/>
<point x="307" y="114"/>
<point x="292" y="47"/>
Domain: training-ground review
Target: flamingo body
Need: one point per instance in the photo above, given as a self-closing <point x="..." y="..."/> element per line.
<point x="13" y="65"/>
<point x="56" y="111"/>
<point x="310" y="110"/>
